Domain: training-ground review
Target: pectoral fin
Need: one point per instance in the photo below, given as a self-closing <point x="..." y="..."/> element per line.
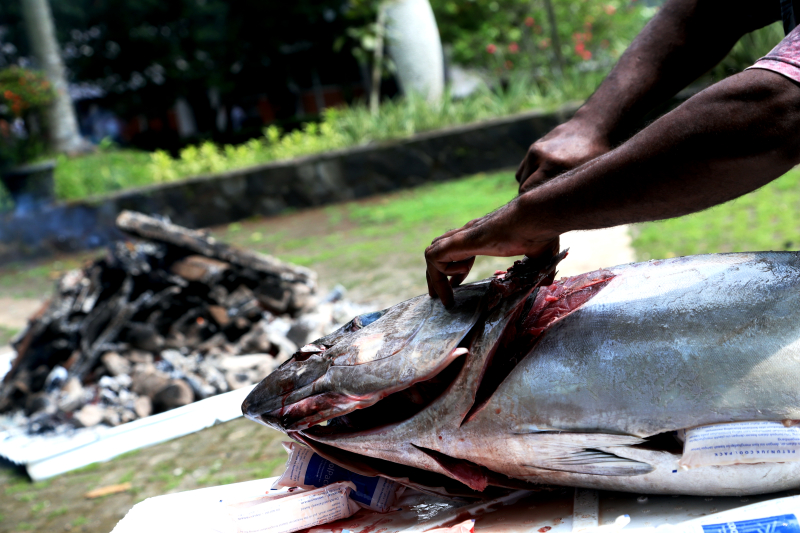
<point x="595" y="462"/>
<point x="580" y="453"/>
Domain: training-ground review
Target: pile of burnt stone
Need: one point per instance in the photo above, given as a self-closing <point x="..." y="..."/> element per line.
<point x="166" y="318"/>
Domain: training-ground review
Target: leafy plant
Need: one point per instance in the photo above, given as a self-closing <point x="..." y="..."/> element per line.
<point x="23" y="93"/>
<point x="516" y="35"/>
<point x="356" y="125"/>
<point x="748" y="50"/>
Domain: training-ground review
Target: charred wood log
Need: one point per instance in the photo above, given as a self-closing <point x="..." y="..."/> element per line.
<point x="289" y="287"/>
<point x="154" y="324"/>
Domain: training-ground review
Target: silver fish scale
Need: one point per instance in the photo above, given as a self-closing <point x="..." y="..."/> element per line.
<point x="668" y="345"/>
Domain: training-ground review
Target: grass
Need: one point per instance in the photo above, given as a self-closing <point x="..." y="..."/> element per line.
<point x="6" y="334"/>
<point x="374" y="247"/>
<point x="766" y="219"/>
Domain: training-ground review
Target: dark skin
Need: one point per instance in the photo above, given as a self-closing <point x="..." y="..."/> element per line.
<point x="724" y="142"/>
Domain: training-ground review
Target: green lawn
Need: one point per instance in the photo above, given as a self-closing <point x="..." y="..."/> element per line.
<point x="767" y="219"/>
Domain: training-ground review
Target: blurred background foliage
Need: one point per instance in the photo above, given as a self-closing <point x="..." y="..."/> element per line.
<point x="140" y="56"/>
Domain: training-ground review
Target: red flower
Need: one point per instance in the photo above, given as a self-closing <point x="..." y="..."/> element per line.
<point x="509" y="64"/>
<point x="529" y="21"/>
<point x="513" y="48"/>
<point x="491" y="48"/>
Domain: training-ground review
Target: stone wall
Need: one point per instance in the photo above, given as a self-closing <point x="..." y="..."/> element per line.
<point x="271" y="188"/>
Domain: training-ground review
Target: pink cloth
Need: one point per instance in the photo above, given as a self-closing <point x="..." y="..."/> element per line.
<point x="784" y="58"/>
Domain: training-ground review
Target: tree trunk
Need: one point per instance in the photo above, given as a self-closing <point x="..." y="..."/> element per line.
<point x="377" y="62"/>
<point x="62" y="124"/>
<point x="412" y="39"/>
<point x="551" y="17"/>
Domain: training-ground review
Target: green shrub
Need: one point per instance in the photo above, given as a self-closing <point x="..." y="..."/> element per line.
<point x="354" y="126"/>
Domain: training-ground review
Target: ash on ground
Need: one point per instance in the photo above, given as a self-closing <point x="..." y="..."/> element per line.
<point x="164" y="320"/>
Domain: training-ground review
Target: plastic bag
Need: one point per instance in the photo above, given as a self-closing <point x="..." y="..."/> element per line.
<point x="306" y="469"/>
<point x="296" y="511"/>
<point x="740" y="442"/>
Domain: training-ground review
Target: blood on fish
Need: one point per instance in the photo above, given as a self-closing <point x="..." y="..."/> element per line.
<point x="544" y="529"/>
<point x="550" y="304"/>
<point x="563" y="297"/>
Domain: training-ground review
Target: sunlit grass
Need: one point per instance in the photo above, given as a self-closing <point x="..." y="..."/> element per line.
<point x="767" y="219"/>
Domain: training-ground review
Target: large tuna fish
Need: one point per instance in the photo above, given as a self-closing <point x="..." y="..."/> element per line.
<point x="580" y="382"/>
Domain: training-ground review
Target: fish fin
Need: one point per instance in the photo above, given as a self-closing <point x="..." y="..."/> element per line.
<point x="595" y="462"/>
<point x="580" y="453"/>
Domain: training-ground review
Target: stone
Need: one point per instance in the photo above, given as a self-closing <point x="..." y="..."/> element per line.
<point x="140" y="356"/>
<point x="200" y="268"/>
<point x="142" y="406"/>
<point x="88" y="416"/>
<point x="176" y="394"/>
<point x="149" y="383"/>
<point x="71" y="396"/>
<point x="237" y="380"/>
<point x="111" y="416"/>
<point x="115" y="363"/>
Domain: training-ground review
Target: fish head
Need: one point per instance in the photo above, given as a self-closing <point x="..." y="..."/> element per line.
<point x="372" y="357"/>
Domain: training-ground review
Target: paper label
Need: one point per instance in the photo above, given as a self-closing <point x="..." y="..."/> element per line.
<point x="295" y="512"/>
<point x="772" y="524"/>
<point x="741" y="442"/>
<point x="304" y="468"/>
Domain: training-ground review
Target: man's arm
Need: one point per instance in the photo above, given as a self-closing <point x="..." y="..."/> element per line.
<point x="683" y="41"/>
<point x="726" y="141"/>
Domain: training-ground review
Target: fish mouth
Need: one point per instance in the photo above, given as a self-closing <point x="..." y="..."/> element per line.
<point x="395" y="407"/>
<point x="302" y="409"/>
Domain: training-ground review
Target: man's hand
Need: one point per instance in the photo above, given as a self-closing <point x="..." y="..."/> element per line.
<point x="568" y="146"/>
<point x="503" y="233"/>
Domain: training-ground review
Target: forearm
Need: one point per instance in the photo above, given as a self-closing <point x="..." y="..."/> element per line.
<point x="728" y="140"/>
<point x="684" y="40"/>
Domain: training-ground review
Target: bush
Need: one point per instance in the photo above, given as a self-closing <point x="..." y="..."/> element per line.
<point x="515" y="35"/>
<point x="23" y="93"/>
<point x="356" y="126"/>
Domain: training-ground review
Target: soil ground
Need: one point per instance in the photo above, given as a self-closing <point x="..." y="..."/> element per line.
<point x="377" y="258"/>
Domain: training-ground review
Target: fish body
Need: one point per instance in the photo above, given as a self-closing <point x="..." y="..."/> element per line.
<point x="580" y="382"/>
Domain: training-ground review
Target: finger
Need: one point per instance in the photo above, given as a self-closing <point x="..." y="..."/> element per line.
<point x="457" y="267"/>
<point x="457" y="279"/>
<point x="521" y="170"/>
<point x="545" y="254"/>
<point x="431" y="290"/>
<point x="451" y="232"/>
<point x="440" y="285"/>
<point x="534" y="180"/>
